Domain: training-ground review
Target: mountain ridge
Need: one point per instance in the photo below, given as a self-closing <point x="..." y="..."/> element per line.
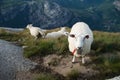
<point x="100" y="15"/>
<point x="43" y="14"/>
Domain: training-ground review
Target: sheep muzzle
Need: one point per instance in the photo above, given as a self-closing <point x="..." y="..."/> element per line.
<point x="79" y="51"/>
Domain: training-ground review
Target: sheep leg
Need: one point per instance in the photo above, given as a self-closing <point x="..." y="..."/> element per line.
<point x="73" y="60"/>
<point x="83" y="59"/>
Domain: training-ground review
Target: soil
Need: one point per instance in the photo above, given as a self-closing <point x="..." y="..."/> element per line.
<point x="61" y="66"/>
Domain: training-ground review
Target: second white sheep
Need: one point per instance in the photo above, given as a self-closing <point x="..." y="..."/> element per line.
<point x="35" y="31"/>
<point x="56" y="34"/>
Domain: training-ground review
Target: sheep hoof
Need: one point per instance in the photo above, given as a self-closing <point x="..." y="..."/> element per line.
<point x="71" y="66"/>
<point x="83" y="62"/>
<point x="73" y="62"/>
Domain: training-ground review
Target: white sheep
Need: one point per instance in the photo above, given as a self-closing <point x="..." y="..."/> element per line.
<point x="56" y="34"/>
<point x="80" y="39"/>
<point x="35" y="31"/>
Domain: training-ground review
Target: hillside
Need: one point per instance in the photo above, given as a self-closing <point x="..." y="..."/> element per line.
<point x="99" y="14"/>
<point x="42" y="13"/>
<point x="53" y="56"/>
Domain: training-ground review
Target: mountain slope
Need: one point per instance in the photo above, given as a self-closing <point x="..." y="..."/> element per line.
<point x="99" y="14"/>
<point x="40" y="13"/>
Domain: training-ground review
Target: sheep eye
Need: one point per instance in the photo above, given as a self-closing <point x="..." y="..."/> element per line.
<point x="87" y="36"/>
<point x="72" y="35"/>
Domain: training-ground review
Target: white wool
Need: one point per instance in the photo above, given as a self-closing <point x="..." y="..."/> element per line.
<point x="63" y="29"/>
<point x="56" y="34"/>
<point x="80" y="29"/>
<point x="35" y="31"/>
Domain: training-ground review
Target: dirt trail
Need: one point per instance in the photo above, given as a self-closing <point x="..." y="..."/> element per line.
<point x="63" y="65"/>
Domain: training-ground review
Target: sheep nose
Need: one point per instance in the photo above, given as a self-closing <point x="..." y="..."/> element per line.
<point x="79" y="48"/>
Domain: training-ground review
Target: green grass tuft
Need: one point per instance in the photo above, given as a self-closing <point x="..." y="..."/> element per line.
<point x="43" y="76"/>
<point x="73" y="75"/>
<point x="106" y="42"/>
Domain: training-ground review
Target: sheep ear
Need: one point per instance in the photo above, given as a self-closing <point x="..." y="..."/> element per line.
<point x="31" y="24"/>
<point x="66" y="33"/>
<point x="72" y="35"/>
<point x="87" y="36"/>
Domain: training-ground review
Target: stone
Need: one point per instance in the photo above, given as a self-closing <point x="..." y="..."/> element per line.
<point x="12" y="61"/>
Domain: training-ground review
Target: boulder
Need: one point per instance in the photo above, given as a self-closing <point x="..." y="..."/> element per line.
<point x="12" y="61"/>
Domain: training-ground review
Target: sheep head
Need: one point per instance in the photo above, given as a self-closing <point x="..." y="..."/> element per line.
<point x="29" y="26"/>
<point x="79" y="41"/>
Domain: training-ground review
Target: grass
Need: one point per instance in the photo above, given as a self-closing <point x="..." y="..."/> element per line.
<point x="106" y="42"/>
<point x="8" y="36"/>
<point x="105" y="49"/>
<point x="34" y="47"/>
<point x="73" y="75"/>
<point x="43" y="76"/>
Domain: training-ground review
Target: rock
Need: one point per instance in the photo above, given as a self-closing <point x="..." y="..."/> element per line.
<point x="12" y="61"/>
<point x="24" y="47"/>
<point x="117" y="5"/>
<point x="115" y="78"/>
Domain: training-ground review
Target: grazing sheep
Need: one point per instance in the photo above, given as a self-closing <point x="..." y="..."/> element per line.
<point x="80" y="39"/>
<point x="56" y="34"/>
<point x="35" y="31"/>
